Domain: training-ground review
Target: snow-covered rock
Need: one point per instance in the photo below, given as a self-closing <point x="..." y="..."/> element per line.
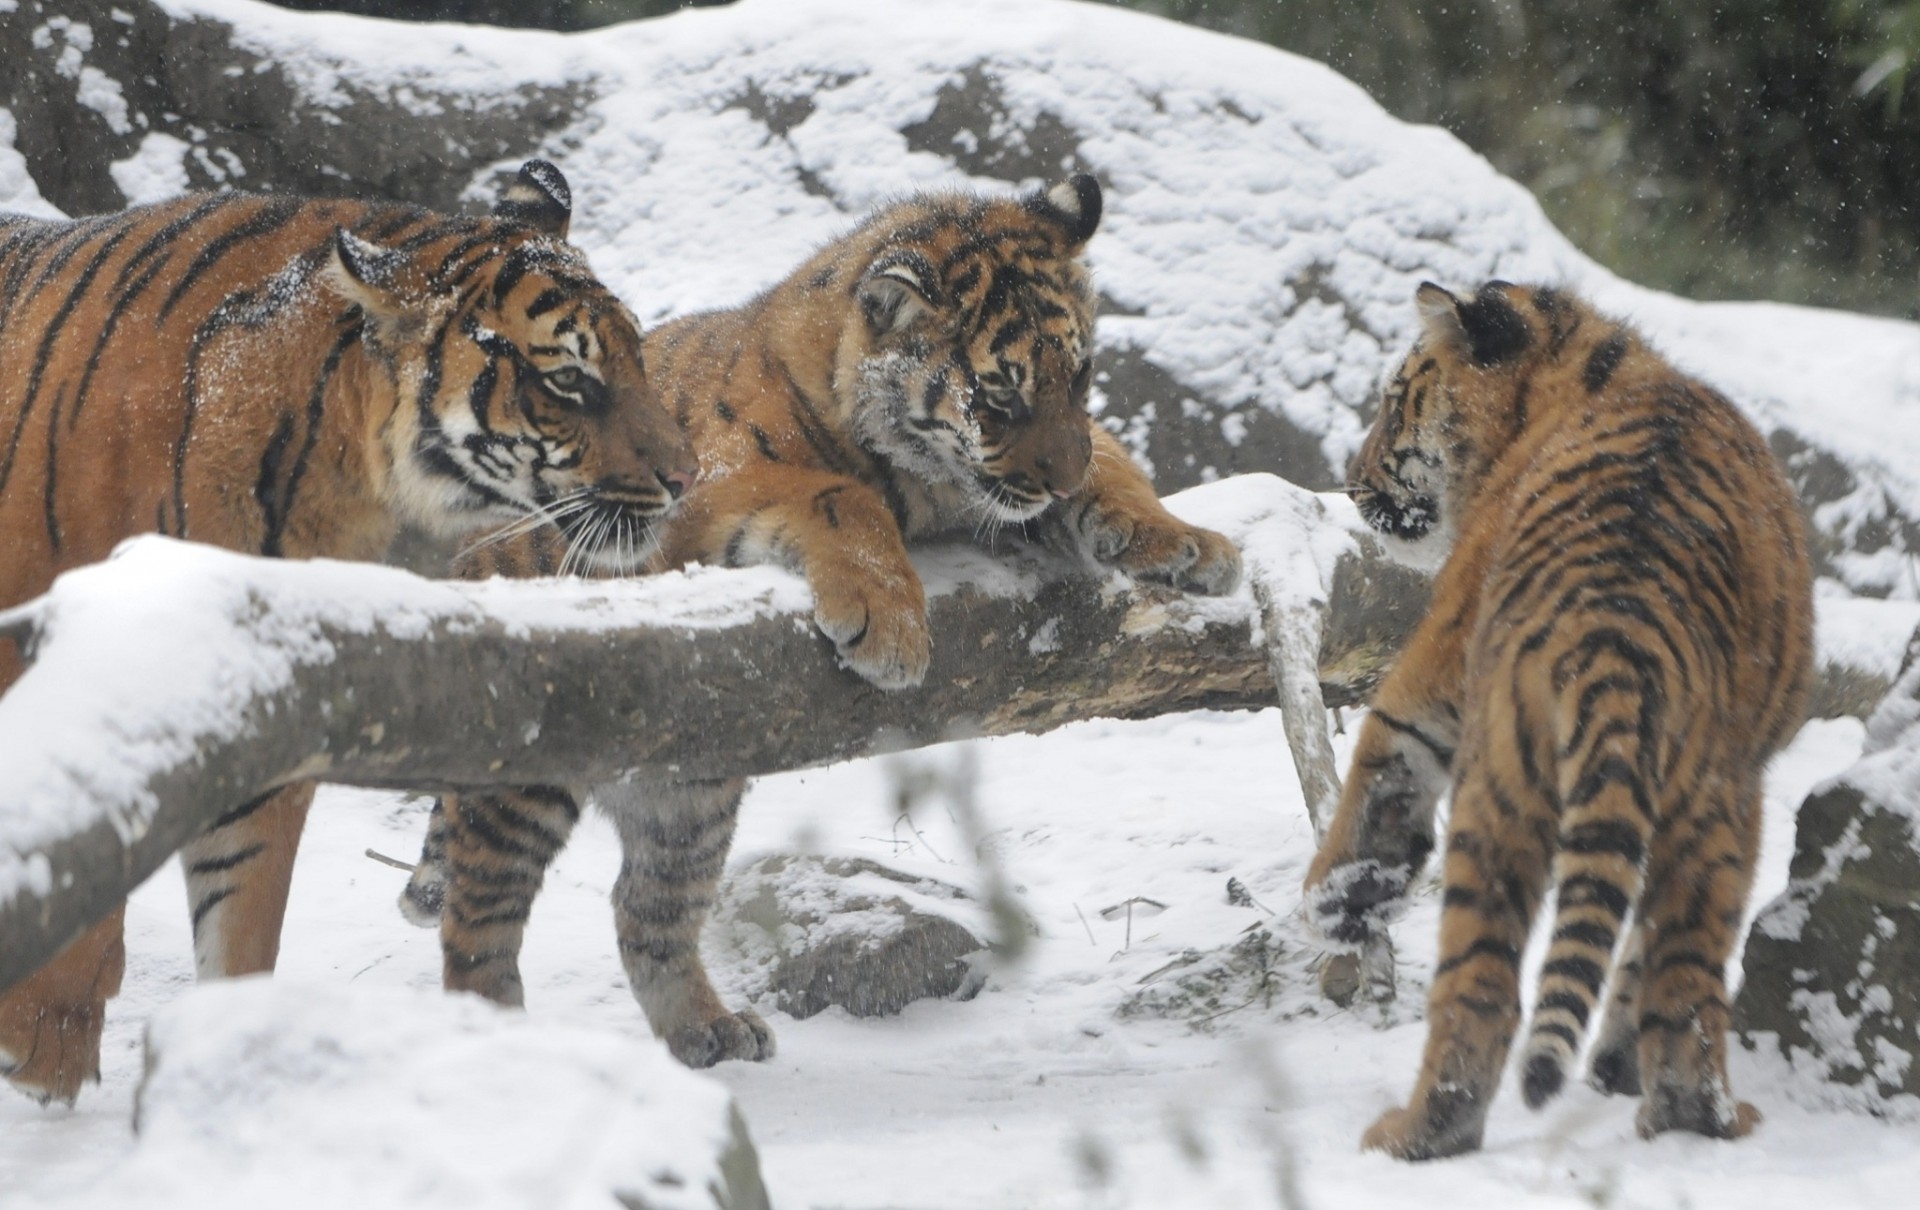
<point x="825" y="931"/>
<point x="259" y="1091"/>
<point x="1266" y="221"/>
<point x="1833" y="964"/>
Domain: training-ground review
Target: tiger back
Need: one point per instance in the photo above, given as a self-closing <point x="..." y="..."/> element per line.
<point x="1619" y="639"/>
<point x="926" y="374"/>
<point x="286" y="376"/>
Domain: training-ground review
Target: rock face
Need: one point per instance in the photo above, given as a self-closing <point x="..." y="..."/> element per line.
<point x="112" y="100"/>
<point x="1266" y="222"/>
<point x="823" y="931"/>
<point x="256" y="1087"/>
<point x="1833" y="964"/>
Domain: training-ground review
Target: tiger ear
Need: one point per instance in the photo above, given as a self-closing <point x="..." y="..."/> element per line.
<point x="539" y="198"/>
<point x="369" y="276"/>
<point x="895" y="292"/>
<point x="1484" y="329"/>
<point x="1074" y="203"/>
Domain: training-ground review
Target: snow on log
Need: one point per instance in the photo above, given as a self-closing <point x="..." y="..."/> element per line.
<point x="174" y="682"/>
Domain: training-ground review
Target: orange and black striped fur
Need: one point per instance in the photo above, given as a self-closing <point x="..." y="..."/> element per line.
<point x="298" y="378"/>
<point x="923" y="375"/>
<point x="1619" y="640"/>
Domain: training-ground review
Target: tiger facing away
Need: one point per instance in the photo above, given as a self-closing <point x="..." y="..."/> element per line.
<point x="297" y="378"/>
<point x="1619" y="640"/>
<point x="927" y="373"/>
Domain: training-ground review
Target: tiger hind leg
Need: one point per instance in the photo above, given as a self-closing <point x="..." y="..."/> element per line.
<point x="674" y="840"/>
<point x="1696" y="893"/>
<point x="50" y="1022"/>
<point x="1492" y="879"/>
<point x="497" y="847"/>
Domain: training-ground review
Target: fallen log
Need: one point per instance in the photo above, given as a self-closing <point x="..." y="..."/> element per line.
<point x="174" y="682"/>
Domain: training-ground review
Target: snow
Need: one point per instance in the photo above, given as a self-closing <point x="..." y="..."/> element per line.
<point x="1004" y="1100"/>
<point x="155" y="172"/>
<point x="18" y="193"/>
<point x="283" y="1084"/>
<point x="1082" y="1075"/>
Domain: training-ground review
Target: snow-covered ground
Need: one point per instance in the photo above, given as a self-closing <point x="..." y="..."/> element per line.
<point x="1036" y="1093"/>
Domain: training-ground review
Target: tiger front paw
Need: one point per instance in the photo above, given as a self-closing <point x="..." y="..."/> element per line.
<point x="1163" y="549"/>
<point x="1709" y="1111"/>
<point x="879" y="630"/>
<point x="742" y="1035"/>
<point x="1407" y="1134"/>
<point x="49" y="1053"/>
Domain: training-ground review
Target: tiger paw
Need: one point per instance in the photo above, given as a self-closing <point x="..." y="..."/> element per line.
<point x="48" y="1051"/>
<point x="742" y="1035"/>
<point x="1163" y="550"/>
<point x="494" y="977"/>
<point x="1407" y="1135"/>
<point x="879" y="628"/>
<point x="1708" y="1111"/>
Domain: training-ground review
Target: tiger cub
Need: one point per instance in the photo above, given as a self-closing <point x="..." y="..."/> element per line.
<point x="1618" y="641"/>
<point x="925" y="374"/>
<point x="298" y="378"/>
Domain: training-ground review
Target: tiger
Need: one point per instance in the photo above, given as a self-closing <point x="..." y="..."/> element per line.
<point x="926" y="374"/>
<point x="297" y="377"/>
<point x="1619" y="639"/>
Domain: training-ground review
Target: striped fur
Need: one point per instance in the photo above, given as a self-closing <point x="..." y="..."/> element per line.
<point x="298" y="378"/>
<point x="925" y="374"/>
<point x="1619" y="640"/>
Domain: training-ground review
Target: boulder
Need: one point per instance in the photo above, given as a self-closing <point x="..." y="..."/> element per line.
<point x="848" y="931"/>
<point x="1833" y="964"/>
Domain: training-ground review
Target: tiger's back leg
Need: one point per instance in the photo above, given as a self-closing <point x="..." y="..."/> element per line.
<point x="674" y="839"/>
<point x="498" y="845"/>
<point x="1495" y="867"/>
<point x="1700" y="871"/>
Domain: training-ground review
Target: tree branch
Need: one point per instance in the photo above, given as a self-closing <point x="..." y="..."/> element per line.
<point x="174" y="682"/>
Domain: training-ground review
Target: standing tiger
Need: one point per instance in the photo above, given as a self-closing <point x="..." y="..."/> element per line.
<point x="1618" y="642"/>
<point x="297" y="377"/>
<point x="926" y="374"/>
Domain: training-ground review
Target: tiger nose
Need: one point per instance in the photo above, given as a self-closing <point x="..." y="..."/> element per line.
<point x="1051" y="480"/>
<point x="677" y="483"/>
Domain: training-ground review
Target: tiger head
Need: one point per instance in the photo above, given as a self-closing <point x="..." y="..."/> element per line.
<point x="970" y="353"/>
<point x="1452" y="407"/>
<point x="521" y="392"/>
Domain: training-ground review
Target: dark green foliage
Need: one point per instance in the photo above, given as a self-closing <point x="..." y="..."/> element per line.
<point x="1759" y="148"/>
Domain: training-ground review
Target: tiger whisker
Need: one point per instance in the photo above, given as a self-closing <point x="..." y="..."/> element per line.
<point x="553" y="512"/>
